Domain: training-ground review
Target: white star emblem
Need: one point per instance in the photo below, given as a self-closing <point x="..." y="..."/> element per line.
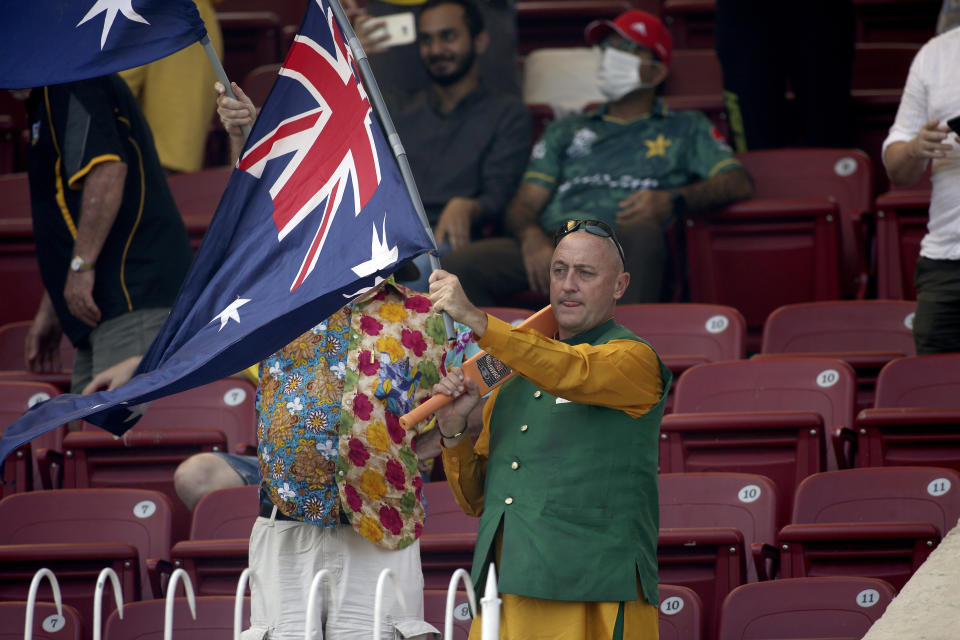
<point x="136" y="411"/>
<point x="111" y="7"/>
<point x="381" y="255"/>
<point x="230" y="313"/>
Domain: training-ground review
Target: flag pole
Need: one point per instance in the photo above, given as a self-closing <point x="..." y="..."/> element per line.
<point x="221" y="74"/>
<point x="380" y="108"/>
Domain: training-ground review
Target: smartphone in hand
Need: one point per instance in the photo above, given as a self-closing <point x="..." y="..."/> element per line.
<point x="954" y="123"/>
<point x="399" y="27"/>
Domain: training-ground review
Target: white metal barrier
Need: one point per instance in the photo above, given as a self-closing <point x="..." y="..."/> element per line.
<point x="107" y="572"/>
<point x="32" y="599"/>
<point x="378" y="600"/>
<point x="460" y="575"/>
<point x="318" y="579"/>
<point x="175" y="578"/>
<point x="489" y="604"/>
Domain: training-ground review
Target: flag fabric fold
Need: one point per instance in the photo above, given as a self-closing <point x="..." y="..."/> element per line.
<point x="315" y="214"/>
<point x="56" y="41"/>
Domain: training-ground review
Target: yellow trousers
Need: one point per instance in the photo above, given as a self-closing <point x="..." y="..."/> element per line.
<point x="177" y="97"/>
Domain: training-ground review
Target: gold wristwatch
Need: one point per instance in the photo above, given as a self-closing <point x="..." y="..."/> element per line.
<point x="78" y="264"/>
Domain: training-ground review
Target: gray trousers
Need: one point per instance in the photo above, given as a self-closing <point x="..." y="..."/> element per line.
<point x="113" y="341"/>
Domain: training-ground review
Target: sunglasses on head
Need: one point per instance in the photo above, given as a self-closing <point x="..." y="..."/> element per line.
<point x="595" y="227"/>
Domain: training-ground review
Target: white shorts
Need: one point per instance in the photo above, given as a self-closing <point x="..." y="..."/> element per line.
<point x="285" y="556"/>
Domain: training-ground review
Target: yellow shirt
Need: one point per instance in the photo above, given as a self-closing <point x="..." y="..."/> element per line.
<point x="620" y="374"/>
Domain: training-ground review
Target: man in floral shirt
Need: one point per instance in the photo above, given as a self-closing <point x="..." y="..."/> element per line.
<point x="340" y="488"/>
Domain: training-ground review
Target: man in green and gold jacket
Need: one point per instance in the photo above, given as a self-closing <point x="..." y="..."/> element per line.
<point x="564" y="473"/>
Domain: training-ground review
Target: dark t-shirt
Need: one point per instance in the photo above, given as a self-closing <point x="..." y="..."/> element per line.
<point x="74" y="127"/>
<point x="478" y="150"/>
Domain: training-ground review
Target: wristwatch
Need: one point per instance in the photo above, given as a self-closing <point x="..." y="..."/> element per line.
<point x="78" y="264"/>
<point x="678" y="204"/>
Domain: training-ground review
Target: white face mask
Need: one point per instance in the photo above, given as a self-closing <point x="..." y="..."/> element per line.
<point x="619" y="73"/>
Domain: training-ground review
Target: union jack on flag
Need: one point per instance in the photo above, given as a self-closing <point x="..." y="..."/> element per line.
<point x="315" y="214"/>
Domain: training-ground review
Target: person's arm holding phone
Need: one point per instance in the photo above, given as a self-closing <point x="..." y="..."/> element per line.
<point x="906" y="161"/>
<point x="377" y="34"/>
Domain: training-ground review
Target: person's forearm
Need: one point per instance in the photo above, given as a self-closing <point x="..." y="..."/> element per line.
<point x="716" y="192"/>
<point x="520" y="218"/>
<point x="102" y="196"/>
<point x="904" y="167"/>
<point x="236" y="147"/>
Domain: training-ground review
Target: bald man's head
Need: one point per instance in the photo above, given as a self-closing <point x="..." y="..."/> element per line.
<point x="587" y="278"/>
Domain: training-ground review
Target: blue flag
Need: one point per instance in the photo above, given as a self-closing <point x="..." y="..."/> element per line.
<point x="55" y="41"/>
<point x="315" y="214"/>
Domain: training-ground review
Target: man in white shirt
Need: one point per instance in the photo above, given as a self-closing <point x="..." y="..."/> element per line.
<point x="918" y="135"/>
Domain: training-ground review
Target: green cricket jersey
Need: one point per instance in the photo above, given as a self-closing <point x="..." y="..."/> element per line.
<point x="592" y="161"/>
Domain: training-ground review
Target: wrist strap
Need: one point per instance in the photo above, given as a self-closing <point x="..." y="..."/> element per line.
<point x="454" y="436"/>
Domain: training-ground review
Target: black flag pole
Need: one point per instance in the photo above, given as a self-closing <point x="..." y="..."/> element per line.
<point x="221" y="74"/>
<point x="393" y="139"/>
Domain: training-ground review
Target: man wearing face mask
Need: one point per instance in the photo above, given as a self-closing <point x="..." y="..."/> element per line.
<point x="632" y="164"/>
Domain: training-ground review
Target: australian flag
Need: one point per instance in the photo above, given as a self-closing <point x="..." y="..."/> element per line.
<point x="315" y="214"/>
<point x="54" y="41"/>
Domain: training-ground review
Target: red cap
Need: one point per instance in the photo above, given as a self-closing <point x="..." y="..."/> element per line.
<point x="638" y="26"/>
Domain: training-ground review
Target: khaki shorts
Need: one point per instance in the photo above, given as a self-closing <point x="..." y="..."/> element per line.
<point x="285" y="556"/>
<point x="113" y="341"/>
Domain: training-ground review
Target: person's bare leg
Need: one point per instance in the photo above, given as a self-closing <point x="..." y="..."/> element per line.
<point x="202" y="473"/>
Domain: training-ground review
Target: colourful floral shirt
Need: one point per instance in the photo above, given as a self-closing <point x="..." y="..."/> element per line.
<point x="329" y="404"/>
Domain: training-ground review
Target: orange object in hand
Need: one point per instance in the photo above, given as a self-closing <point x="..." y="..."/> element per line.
<point x="484" y="369"/>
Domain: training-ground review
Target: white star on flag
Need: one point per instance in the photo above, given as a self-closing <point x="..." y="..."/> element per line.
<point x="111" y="7"/>
<point x="136" y="411"/>
<point x="381" y="255"/>
<point x="230" y="313"/>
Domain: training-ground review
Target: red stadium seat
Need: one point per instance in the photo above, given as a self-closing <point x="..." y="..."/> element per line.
<point x="716" y="530"/>
<point x="259" y="82"/>
<point x="916" y="418"/>
<point x="690" y="22"/>
<point x="14" y="134"/>
<point x="197" y="195"/>
<point x="711" y="562"/>
<point x="219" y="416"/>
<point x="782" y="248"/>
<point x="686" y="334"/>
<point x="435" y="612"/>
<point x="20" y="284"/>
<point x="743" y="501"/>
<point x="768" y="417"/>
<point x="48" y="624"/>
<point x="76" y="533"/>
<point x="758" y="255"/>
<point x="218" y="548"/>
<point x="681" y="613"/>
<point x="12" y="364"/>
<point x="804" y="608"/>
<point x="448" y="537"/>
<point x="144" y="620"/>
<point x="251" y="35"/>
<point x="694" y="84"/>
<point x="560" y="23"/>
<point x="896" y="21"/>
<point x="882" y="65"/>
<point x="866" y="334"/>
<point x="509" y="314"/>
<point x="22" y="472"/>
<point x="901" y="224"/>
<point x="880" y="522"/>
